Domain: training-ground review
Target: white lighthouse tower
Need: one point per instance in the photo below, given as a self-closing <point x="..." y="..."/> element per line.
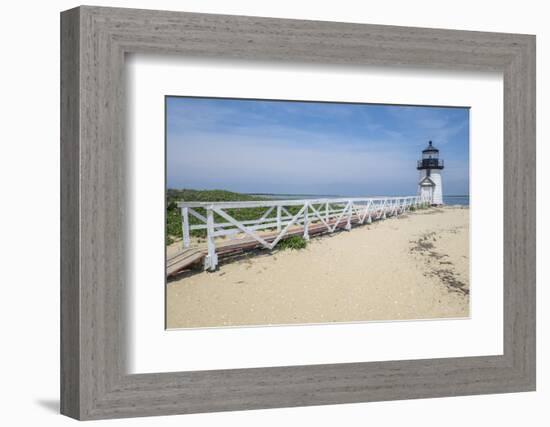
<point x="430" y="167"/>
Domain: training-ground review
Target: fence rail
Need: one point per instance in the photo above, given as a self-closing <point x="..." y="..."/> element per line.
<point x="284" y="218"/>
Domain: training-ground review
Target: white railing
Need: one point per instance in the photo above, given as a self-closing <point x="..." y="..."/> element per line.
<point x="318" y="215"/>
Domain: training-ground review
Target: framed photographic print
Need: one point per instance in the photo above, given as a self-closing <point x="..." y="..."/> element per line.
<point x="262" y="213"/>
<point x="288" y="178"/>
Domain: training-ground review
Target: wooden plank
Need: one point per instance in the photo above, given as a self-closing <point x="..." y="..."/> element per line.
<point x="182" y="255"/>
<point x="183" y="260"/>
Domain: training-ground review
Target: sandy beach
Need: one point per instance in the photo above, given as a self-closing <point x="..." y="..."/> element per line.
<point x="415" y="266"/>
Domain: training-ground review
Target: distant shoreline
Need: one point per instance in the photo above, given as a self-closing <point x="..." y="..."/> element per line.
<point x="463" y="200"/>
<point x="326" y="195"/>
<point x="292" y="195"/>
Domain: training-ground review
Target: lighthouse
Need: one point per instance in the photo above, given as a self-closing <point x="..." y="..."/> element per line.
<point x="430" y="167"/>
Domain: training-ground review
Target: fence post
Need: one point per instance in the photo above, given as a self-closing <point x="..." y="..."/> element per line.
<point x="306" y="221"/>
<point x="326" y="213"/>
<point x="279" y="225"/>
<point x="185" y="226"/>
<point x="211" y="260"/>
<point x="350" y="211"/>
<point x="369" y="219"/>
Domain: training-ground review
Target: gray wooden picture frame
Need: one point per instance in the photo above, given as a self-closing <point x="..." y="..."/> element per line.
<point x="94" y="381"/>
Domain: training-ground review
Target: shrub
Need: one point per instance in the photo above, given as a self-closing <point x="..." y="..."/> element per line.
<point x="173" y="214"/>
<point x="293" y="242"/>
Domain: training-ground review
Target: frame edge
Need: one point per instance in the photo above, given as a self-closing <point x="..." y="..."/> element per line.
<point x="70" y="388"/>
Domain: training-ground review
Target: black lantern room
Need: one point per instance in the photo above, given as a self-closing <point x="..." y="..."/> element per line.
<point x="430" y="158"/>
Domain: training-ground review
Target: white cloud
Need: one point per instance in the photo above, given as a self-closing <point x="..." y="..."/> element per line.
<point x="304" y="160"/>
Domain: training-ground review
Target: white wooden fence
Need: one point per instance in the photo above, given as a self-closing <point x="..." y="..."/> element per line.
<point x="320" y="215"/>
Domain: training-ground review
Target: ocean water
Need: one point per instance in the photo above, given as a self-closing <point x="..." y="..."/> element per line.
<point x="457" y="200"/>
<point x="448" y="200"/>
<point x="294" y="196"/>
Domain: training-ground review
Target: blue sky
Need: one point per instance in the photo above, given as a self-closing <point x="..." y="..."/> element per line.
<point x="311" y="148"/>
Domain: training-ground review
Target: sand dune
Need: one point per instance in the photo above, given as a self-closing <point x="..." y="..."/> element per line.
<point x="415" y="266"/>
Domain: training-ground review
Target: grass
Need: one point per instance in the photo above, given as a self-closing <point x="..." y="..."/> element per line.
<point x="293" y="242"/>
<point x="173" y="214"/>
<point x="420" y="207"/>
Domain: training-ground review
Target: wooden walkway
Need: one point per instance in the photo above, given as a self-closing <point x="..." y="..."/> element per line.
<point x="184" y="259"/>
<point x="190" y="257"/>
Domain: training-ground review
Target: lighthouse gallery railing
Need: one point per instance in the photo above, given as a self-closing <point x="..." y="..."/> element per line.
<point x="283" y="218"/>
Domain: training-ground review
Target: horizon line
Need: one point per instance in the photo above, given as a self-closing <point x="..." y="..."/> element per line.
<point x="258" y="193"/>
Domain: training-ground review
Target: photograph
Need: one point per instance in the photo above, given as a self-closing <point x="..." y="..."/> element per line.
<point x="294" y="212"/>
<point x="265" y="211"/>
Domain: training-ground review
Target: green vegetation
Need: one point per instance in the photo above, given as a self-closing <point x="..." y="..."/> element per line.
<point x="173" y="214"/>
<point x="293" y="242"/>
